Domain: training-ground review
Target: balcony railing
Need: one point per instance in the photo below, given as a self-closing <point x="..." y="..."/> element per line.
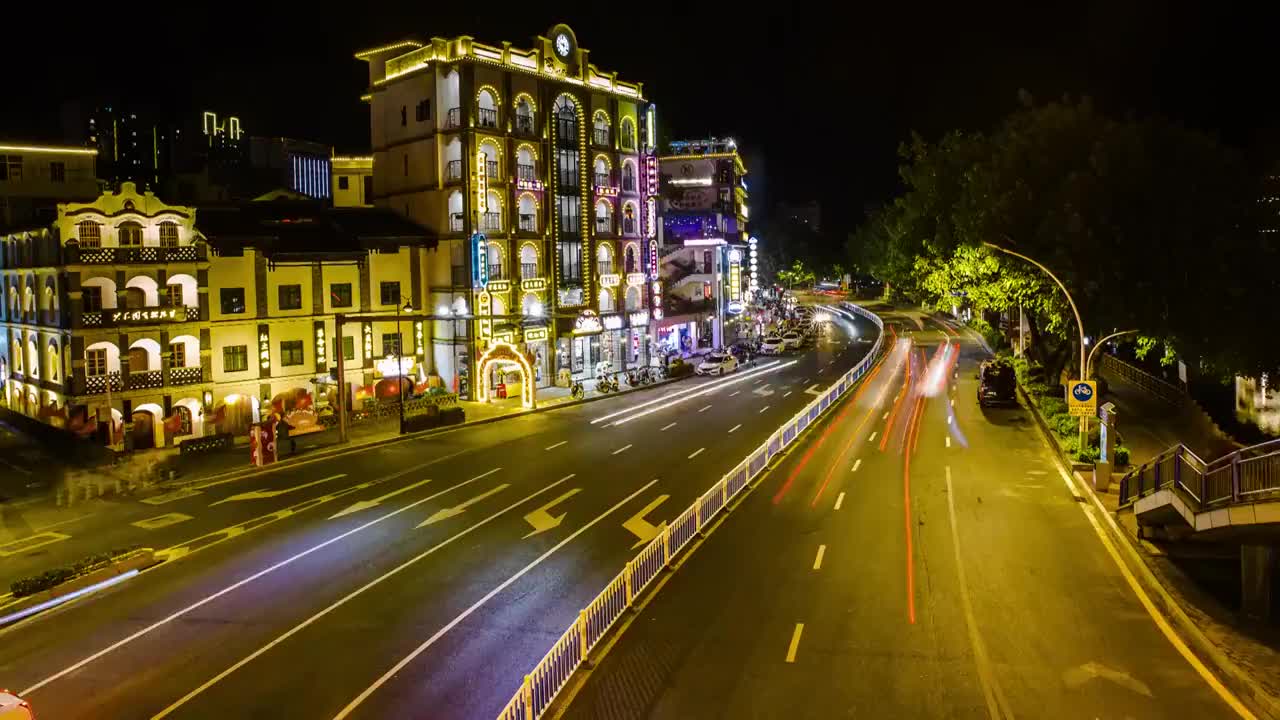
<point x="119" y="317"/>
<point x="524" y="124"/>
<point x="186" y="375"/>
<point x="526" y="172"/>
<point x="146" y="380"/>
<point x="600" y="136"/>
<point x="491" y="169"/>
<point x="528" y="270"/>
<point x="495" y="271"/>
<point x="145" y="254"/>
<point x="487" y="117"/>
<point x="629" y="226"/>
<point x="528" y="223"/>
<point x="452" y="118"/>
<point x="97" y="384"/>
<point x="453" y="171"/>
<point x="604" y="267"/>
<point x="491" y="222"/>
<point x="604" y="225"/>
<point x="455" y="222"/>
<point x="602" y="180"/>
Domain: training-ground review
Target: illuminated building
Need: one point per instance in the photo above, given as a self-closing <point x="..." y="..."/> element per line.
<point x="34" y="178"/>
<point x="531" y="166"/>
<point x="705" y="260"/>
<point x="352" y="181"/>
<point x="129" y="308"/>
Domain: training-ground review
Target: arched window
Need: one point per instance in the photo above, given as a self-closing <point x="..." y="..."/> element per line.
<point x="566" y="118"/>
<point x="628" y="134"/>
<point x="53" y="360"/>
<point x="168" y="234"/>
<point x="89" y="234"/>
<point x="631" y="262"/>
<point x="33" y="358"/>
<point x="629" y="219"/>
<point x="604" y="259"/>
<point x="492" y="220"/>
<point x="184" y="419"/>
<point x="524" y="116"/>
<point x="604" y="217"/>
<point x="130" y="234"/>
<point x="455" y="211"/>
<point x="602" y="178"/>
<point x="528" y="261"/>
<point x="528" y="213"/>
<point x="486" y="109"/>
<point x="628" y="176"/>
<point x="606" y="300"/>
<point x="600" y="128"/>
<point x="633" y="298"/>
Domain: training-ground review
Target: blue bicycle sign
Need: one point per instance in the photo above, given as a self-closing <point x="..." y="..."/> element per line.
<point x="1082" y="392"/>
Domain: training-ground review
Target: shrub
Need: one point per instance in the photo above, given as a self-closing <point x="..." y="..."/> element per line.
<point x="57" y="576"/>
<point x="1052" y="407"/>
<point x="1121" y="456"/>
<point x="1066" y="426"/>
<point x="680" y="370"/>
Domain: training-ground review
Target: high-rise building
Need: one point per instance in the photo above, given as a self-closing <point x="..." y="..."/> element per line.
<point x="808" y="214"/>
<point x="537" y="171"/>
<point x="34" y="178"/>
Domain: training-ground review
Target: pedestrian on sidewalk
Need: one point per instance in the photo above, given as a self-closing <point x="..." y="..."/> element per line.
<point x="282" y="433"/>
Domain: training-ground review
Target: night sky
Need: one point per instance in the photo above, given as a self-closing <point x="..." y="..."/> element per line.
<point x="818" y="98"/>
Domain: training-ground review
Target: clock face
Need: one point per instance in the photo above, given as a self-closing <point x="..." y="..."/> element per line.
<point x="562" y="45"/>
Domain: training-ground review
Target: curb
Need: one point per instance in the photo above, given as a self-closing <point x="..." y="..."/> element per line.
<point x="114" y="572"/>
<point x="339" y="450"/>
<point x="1238" y="681"/>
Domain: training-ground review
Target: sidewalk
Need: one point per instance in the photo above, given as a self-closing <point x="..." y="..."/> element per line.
<point x="1149" y="426"/>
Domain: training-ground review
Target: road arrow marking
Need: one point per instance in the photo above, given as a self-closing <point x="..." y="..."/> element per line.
<point x="542" y="520"/>
<point x="171" y="496"/>
<point x="642" y="528"/>
<point x="264" y="494"/>
<point x="447" y="513"/>
<point x="1077" y="676"/>
<point x="366" y="504"/>
<point x="813" y="389"/>
<point x="763" y="390"/>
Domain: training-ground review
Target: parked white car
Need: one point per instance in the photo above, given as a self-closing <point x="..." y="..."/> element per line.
<point x="717" y="363"/>
<point x="793" y="340"/>
<point x="772" y="345"/>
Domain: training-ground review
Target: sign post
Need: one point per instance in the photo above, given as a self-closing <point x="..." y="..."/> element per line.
<point x="1082" y="402"/>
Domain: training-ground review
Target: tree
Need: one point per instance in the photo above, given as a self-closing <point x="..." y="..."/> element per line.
<point x="797" y="274"/>
<point x="1147" y="223"/>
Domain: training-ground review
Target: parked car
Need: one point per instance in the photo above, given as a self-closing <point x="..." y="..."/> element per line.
<point x="717" y="363"/>
<point x="13" y="707"/>
<point x="996" y="384"/>
<point x="772" y="345"/>
<point x="793" y="340"/>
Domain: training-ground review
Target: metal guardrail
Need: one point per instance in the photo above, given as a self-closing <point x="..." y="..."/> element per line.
<point x="550" y="674"/>
<point x="1135" y="375"/>
<point x="1238" y="477"/>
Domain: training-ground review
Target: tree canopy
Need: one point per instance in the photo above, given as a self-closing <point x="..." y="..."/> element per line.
<point x="1150" y="225"/>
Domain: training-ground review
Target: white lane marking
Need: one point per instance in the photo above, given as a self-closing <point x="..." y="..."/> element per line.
<point x="953" y="402"/>
<point x="735" y="427"/>
<point x="622" y="449"/>
<point x="1038" y="472"/>
<point x="239" y="584"/>
<point x="161" y="521"/>
<point x="795" y="643"/>
<point x="949" y="418"/>
<point x="885" y="416"/>
<point x="873" y="435"/>
<point x="479" y="603"/>
<point x="817" y="562"/>
<point x="735" y="392"/>
<point x="766" y="407"/>
<point x="264" y="494"/>
<point x="696" y="453"/>
<point x="358" y="506"/>
<point x="553" y="447"/>
<point x="715" y="388"/>
<point x="302" y="625"/>
<point x="839" y="500"/>
<point x="22" y="470"/>
<point x="1174" y="639"/>
<point x="786" y="394"/>
<point x="948" y="441"/>
<point x="668" y="426"/>
<point x="991" y="692"/>
<point x="858" y="463"/>
<point x="704" y="408"/>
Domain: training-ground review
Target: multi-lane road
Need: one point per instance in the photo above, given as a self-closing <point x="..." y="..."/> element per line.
<point x="915" y="556"/>
<point x="419" y="579"/>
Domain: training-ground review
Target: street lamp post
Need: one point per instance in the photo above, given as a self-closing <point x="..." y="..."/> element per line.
<point x="408" y="307"/>
<point x="1079" y="324"/>
<point x="1089" y="362"/>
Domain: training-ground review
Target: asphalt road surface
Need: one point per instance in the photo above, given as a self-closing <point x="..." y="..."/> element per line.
<point x="419" y="579"/>
<point x="914" y="557"/>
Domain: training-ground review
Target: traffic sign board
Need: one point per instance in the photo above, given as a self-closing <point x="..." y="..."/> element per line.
<point x="1082" y="398"/>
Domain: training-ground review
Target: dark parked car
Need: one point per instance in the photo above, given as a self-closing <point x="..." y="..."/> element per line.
<point x="996" y="384"/>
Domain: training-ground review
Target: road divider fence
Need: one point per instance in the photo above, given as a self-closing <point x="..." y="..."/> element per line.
<point x="553" y="671"/>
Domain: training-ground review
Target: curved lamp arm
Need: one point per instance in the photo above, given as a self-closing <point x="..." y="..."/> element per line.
<point x="1071" y="301"/>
